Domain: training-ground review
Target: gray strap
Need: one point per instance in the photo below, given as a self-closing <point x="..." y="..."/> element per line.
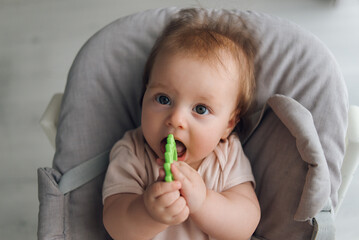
<point x="323" y="223"/>
<point x="84" y="172"/>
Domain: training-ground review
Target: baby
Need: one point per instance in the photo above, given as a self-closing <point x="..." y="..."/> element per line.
<point x="199" y="81"/>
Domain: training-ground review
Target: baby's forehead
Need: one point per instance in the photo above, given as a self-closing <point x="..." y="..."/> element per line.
<point x="219" y="59"/>
<point x="222" y="66"/>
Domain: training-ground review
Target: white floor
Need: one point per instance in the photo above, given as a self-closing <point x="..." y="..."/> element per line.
<point x="38" y="42"/>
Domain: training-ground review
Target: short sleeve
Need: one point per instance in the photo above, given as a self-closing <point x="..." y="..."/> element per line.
<point x="121" y="176"/>
<point x="227" y="166"/>
<point x="236" y="166"/>
<point x="130" y="169"/>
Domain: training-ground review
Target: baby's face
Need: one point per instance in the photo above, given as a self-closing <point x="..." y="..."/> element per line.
<point x="192" y="99"/>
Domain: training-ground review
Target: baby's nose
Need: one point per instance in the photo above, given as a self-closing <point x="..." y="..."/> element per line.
<point x="177" y="119"/>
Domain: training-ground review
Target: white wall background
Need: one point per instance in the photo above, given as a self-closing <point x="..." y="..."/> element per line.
<point x="38" y="42"/>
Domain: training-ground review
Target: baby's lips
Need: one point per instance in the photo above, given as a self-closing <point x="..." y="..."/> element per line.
<point x="163" y="145"/>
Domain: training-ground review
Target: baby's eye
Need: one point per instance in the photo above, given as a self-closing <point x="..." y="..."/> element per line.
<point x="162" y="99"/>
<point x="200" y="109"/>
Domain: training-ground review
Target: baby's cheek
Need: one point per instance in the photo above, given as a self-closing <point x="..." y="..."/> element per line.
<point x="204" y="147"/>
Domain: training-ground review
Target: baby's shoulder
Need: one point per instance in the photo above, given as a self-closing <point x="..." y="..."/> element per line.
<point x="232" y="142"/>
<point x="132" y="141"/>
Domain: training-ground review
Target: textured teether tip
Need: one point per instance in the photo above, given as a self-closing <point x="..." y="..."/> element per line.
<point x="170" y="156"/>
<point x="170" y="139"/>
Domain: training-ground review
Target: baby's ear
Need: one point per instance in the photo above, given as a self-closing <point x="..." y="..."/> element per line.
<point x="231" y="125"/>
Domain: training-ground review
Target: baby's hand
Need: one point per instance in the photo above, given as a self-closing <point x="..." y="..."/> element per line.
<point x="193" y="188"/>
<point x="164" y="203"/>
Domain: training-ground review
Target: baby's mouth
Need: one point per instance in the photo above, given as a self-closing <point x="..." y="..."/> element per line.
<point x="181" y="148"/>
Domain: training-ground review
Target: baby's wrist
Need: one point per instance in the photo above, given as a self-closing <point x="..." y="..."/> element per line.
<point x="198" y="210"/>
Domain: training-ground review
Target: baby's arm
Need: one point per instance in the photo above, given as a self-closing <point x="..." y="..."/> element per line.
<point x="133" y="216"/>
<point x="232" y="214"/>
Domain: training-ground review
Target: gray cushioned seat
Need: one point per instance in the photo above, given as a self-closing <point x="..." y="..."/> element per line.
<point x="295" y="142"/>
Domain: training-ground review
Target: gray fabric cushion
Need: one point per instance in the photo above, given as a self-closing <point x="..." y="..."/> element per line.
<point x="101" y="102"/>
<point x="295" y="63"/>
<point x="52" y="204"/>
<point x="299" y="122"/>
<point x="289" y="164"/>
<point x="71" y="216"/>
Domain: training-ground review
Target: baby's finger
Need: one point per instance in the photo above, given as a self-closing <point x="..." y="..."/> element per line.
<point x="160" y="188"/>
<point x="182" y="215"/>
<point x="168" y="199"/>
<point x="186" y="169"/>
<point x="178" y="175"/>
<point x="177" y="206"/>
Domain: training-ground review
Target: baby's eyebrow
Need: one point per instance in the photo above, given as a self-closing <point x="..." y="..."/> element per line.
<point x="158" y="85"/>
<point x="208" y="97"/>
<point x="161" y="86"/>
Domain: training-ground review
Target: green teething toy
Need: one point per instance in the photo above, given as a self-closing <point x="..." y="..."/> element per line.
<point x="170" y="156"/>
